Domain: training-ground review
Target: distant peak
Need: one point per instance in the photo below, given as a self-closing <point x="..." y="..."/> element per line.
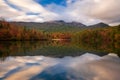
<point x="60" y="21"/>
<point x="101" y="24"/>
<point x="56" y="21"/>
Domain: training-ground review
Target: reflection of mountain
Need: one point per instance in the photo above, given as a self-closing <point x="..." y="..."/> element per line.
<point x="49" y="48"/>
<point x="85" y="67"/>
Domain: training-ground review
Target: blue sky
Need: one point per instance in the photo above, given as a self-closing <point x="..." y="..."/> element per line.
<point x="84" y="11"/>
<point x="47" y="2"/>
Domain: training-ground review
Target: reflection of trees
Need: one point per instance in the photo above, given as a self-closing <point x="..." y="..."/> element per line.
<point x="17" y="48"/>
<point x="100" y="40"/>
<point x="51" y="48"/>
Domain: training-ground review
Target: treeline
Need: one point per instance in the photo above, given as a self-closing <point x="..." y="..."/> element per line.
<point x="9" y="31"/>
<point x="107" y="35"/>
<point x="100" y="39"/>
<point x="100" y="35"/>
<point x="105" y="39"/>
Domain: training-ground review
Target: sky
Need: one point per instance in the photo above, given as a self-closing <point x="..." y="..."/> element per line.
<point x="85" y="67"/>
<point x="85" y="11"/>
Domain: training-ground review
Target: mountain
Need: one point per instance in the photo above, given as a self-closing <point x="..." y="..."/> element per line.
<point x="58" y="25"/>
<point x="50" y="24"/>
<point x="99" y="25"/>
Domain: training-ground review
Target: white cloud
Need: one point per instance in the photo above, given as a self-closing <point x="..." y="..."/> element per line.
<point x="85" y="11"/>
<point x="106" y="10"/>
<point x="8" y="12"/>
<point x="25" y="6"/>
<point x="95" y="11"/>
<point x="69" y="1"/>
<point x="28" y="5"/>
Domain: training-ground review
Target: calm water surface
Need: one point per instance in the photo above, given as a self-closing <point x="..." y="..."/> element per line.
<point x="56" y="60"/>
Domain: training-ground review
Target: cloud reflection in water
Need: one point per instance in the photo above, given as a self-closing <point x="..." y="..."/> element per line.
<point x="85" y="67"/>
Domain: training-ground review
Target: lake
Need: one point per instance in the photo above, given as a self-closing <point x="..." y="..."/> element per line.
<point x="58" y="60"/>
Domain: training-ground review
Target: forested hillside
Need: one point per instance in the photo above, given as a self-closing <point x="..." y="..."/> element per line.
<point x="59" y="26"/>
<point x="106" y="39"/>
<point x="9" y="31"/>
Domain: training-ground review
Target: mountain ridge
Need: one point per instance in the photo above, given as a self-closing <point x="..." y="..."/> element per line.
<point x="63" y="22"/>
<point x="59" y="25"/>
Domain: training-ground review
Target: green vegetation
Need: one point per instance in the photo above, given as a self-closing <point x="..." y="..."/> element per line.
<point x="98" y="39"/>
<point x="9" y="31"/>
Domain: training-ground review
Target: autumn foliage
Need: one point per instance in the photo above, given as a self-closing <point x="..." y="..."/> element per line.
<point x="108" y="35"/>
<point x="9" y="31"/>
<point x="102" y="39"/>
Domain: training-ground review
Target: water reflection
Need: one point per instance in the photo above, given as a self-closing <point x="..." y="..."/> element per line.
<point x="46" y="48"/>
<point x="84" y="67"/>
